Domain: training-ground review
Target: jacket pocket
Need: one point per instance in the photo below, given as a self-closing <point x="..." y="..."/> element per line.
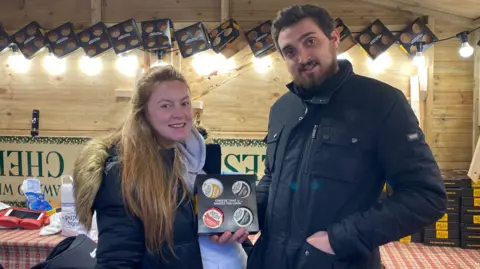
<point x="336" y="155"/>
<point x="311" y="257"/>
<point x="272" y="140"/>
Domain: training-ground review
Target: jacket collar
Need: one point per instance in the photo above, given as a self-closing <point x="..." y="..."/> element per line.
<point x="323" y="93"/>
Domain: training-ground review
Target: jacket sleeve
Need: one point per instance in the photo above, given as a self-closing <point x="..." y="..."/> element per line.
<point x="419" y="196"/>
<point x="121" y="242"/>
<point x="262" y="190"/>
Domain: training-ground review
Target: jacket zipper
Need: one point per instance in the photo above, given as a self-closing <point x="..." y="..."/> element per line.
<point x="289" y="221"/>
<point x="314" y="135"/>
<point x="280" y="172"/>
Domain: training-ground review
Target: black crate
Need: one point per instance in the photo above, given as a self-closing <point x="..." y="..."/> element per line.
<point x="228" y="39"/>
<point x="95" y="40"/>
<point x="125" y="36"/>
<point x="375" y="39"/>
<point x="157" y="34"/>
<point x="30" y="39"/>
<point x="260" y="39"/>
<point x="63" y="40"/>
<point x="5" y="39"/>
<point x="192" y="39"/>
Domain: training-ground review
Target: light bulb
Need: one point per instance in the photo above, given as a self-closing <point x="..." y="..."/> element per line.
<point x="91" y="66"/>
<point x="465" y="50"/>
<point x="206" y="63"/>
<point x="262" y="65"/>
<point x="127" y="65"/>
<point x="54" y="65"/>
<point x="343" y="56"/>
<point x="419" y="59"/>
<point x="381" y="63"/>
<point x="18" y="63"/>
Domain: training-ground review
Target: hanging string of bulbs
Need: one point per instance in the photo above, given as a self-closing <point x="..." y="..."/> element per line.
<point x="465" y="50"/>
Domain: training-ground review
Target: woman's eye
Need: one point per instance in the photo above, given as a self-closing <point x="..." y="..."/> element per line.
<point x="186" y="104"/>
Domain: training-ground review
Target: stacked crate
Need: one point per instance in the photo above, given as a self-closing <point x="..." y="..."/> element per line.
<point x="470" y="216"/>
<point x="446" y="231"/>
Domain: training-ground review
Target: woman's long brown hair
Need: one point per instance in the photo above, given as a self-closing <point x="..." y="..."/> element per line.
<point x="149" y="184"/>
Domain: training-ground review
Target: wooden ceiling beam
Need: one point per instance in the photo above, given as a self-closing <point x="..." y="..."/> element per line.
<point x="224" y="10"/>
<point x="95" y="11"/>
<point x="439" y="15"/>
<point x="476" y="22"/>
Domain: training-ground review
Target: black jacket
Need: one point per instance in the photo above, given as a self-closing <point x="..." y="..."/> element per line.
<point x="328" y="157"/>
<point x="121" y="237"/>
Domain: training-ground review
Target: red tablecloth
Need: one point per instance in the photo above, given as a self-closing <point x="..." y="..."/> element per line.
<point x="22" y="249"/>
<point x="398" y="255"/>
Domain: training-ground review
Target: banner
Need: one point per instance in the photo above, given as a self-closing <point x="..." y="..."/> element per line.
<point x="245" y="156"/>
<point x="48" y="158"/>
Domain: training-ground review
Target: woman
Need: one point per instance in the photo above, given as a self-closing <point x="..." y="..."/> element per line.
<point x="139" y="181"/>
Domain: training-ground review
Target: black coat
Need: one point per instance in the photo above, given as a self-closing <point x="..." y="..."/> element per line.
<point x="122" y="238"/>
<point x="328" y="157"/>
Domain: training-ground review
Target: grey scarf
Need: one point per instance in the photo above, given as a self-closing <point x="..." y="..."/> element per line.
<point x="193" y="154"/>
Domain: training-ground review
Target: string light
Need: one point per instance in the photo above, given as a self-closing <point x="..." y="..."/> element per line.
<point x="465" y="49"/>
<point x="91" y="66"/>
<point x="419" y="58"/>
<point x="381" y="63"/>
<point x="127" y="64"/>
<point x="262" y="65"/>
<point x="54" y="65"/>
<point x="208" y="62"/>
<point x="17" y="62"/>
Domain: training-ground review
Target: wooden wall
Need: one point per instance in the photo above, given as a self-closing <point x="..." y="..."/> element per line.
<point x="75" y="104"/>
<point x="453" y="99"/>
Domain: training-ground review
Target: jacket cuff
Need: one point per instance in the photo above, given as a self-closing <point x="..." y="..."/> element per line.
<point x="335" y="241"/>
<point x="345" y="244"/>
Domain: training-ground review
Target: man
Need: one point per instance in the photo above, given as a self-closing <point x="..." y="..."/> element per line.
<point x="333" y="140"/>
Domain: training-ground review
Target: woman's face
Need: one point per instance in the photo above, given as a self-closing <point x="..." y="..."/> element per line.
<point x="169" y="110"/>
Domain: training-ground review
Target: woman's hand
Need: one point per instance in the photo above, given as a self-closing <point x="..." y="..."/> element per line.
<point x="227" y="237"/>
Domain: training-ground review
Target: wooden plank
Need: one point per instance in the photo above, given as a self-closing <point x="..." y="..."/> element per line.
<point x="476" y="93"/>
<point x="464" y="8"/>
<point x="452" y="154"/>
<point x="452" y="126"/>
<point x="73" y="101"/>
<point x="77" y="133"/>
<point x="428" y="104"/>
<point x="185" y="10"/>
<point x="15" y="14"/>
<point x="415" y="9"/>
<point x="257" y="10"/>
<point x="454" y="82"/>
<point x="443" y="140"/>
<point x="224" y="10"/>
<point x="453" y="98"/>
<point x="95" y="11"/>
<point x="452" y="111"/>
<point x="453" y="165"/>
<point x="455" y="68"/>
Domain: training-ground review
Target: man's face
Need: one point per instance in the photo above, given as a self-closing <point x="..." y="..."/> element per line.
<point x="310" y="55"/>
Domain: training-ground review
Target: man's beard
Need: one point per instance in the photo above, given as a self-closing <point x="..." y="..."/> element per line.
<point x="313" y="80"/>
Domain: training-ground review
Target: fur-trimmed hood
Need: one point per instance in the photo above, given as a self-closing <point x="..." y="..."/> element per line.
<point x="87" y="177"/>
<point x="89" y="170"/>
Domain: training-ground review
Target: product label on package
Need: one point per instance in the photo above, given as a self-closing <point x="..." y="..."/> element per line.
<point x="227" y="202"/>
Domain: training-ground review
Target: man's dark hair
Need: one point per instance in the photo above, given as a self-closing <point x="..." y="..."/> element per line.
<point x="295" y="13"/>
